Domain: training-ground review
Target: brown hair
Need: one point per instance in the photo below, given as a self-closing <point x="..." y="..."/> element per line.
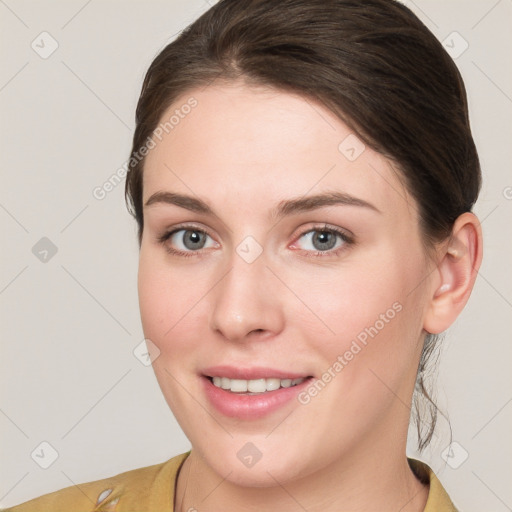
<point x="372" y="62"/>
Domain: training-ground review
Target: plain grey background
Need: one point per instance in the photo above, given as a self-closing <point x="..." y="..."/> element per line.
<point x="70" y="320"/>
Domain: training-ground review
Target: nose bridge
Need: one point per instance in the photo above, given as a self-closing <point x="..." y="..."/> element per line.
<point x="243" y="301"/>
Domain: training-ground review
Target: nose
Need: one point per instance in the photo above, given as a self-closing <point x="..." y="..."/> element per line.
<point x="246" y="303"/>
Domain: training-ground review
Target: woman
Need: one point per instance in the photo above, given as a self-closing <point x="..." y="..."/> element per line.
<point x="302" y="176"/>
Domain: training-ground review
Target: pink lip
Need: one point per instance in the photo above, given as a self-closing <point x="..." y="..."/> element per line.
<point x="257" y="372"/>
<point x="250" y="407"/>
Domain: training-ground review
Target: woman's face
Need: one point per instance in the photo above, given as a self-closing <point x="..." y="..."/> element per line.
<point x="294" y="253"/>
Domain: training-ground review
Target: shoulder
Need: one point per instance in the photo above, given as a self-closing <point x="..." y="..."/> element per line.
<point x="147" y="488"/>
<point x="438" y="499"/>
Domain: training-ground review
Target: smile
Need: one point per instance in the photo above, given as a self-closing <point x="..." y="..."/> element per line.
<point x="262" y="392"/>
<point x="254" y="386"/>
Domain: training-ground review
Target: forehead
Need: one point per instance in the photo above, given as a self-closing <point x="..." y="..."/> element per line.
<point x="241" y="142"/>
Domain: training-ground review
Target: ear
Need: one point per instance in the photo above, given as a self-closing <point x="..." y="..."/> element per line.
<point x="458" y="264"/>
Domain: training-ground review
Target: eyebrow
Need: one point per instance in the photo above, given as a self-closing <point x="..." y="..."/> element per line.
<point x="284" y="208"/>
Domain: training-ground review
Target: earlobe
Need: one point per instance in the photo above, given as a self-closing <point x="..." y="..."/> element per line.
<point x="455" y="274"/>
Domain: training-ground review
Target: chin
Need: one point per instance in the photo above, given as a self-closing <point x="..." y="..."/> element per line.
<point x="260" y="475"/>
<point x="272" y="468"/>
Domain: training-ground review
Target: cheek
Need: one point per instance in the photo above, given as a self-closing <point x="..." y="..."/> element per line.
<point x="363" y="311"/>
<point x="167" y="299"/>
<point x="371" y="355"/>
<point x="348" y="300"/>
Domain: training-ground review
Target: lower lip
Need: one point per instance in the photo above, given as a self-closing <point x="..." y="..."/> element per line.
<point x="250" y="407"/>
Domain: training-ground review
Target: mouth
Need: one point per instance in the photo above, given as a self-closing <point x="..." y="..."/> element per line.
<point x="254" y="386"/>
<point x="251" y="393"/>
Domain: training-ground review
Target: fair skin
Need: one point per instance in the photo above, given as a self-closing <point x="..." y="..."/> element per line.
<point x="242" y="151"/>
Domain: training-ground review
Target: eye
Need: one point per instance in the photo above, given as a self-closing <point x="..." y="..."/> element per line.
<point x="323" y="240"/>
<point x="320" y="241"/>
<point x="186" y="240"/>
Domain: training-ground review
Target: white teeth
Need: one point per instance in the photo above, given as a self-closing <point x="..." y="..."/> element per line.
<point x="273" y="384"/>
<point x="239" y="385"/>
<point x="254" y="386"/>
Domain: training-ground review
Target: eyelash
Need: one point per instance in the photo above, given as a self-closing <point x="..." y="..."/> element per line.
<point x="347" y="241"/>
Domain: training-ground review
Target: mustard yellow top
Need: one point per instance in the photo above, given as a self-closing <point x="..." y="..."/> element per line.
<point x="151" y="489"/>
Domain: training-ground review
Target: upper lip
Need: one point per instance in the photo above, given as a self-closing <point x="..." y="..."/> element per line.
<point x="255" y="372"/>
